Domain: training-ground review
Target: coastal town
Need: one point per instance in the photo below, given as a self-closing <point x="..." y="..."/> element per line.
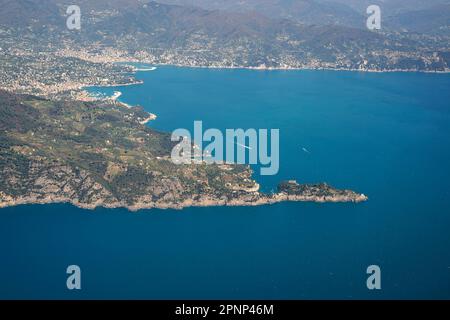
<point x="58" y="76"/>
<point x="64" y="74"/>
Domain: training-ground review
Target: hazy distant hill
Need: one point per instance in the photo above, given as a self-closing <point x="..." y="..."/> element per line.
<point x="430" y="17"/>
<point x="391" y="7"/>
<point x="19" y="13"/>
<point x="412" y="15"/>
<point x="317" y="12"/>
<point x="433" y="20"/>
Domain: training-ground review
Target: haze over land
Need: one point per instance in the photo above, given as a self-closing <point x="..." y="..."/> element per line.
<point x="416" y="15"/>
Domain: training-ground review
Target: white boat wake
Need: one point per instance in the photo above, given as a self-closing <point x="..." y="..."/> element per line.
<point x="306" y="150"/>
<point x="244" y="146"/>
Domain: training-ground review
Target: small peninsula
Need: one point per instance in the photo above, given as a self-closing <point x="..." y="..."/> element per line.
<point x="100" y="154"/>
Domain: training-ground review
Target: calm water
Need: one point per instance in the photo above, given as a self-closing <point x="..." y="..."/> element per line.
<point x="386" y="135"/>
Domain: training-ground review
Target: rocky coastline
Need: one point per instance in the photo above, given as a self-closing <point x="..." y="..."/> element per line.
<point x="100" y="154"/>
<point x="318" y="193"/>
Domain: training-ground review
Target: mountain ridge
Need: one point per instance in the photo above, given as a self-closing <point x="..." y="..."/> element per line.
<point x="171" y="34"/>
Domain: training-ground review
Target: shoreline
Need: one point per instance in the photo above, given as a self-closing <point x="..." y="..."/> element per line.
<point x="83" y="95"/>
<point x="139" y="82"/>
<point x="265" y="200"/>
<point x="130" y="62"/>
<point x="153" y="116"/>
<point x="115" y="97"/>
<point x="123" y="57"/>
<point x="265" y="68"/>
<point x="304" y="69"/>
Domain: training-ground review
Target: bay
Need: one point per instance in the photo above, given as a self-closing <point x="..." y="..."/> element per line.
<point x="383" y="134"/>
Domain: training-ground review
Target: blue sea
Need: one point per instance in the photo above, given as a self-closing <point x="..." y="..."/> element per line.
<point x="386" y="135"/>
